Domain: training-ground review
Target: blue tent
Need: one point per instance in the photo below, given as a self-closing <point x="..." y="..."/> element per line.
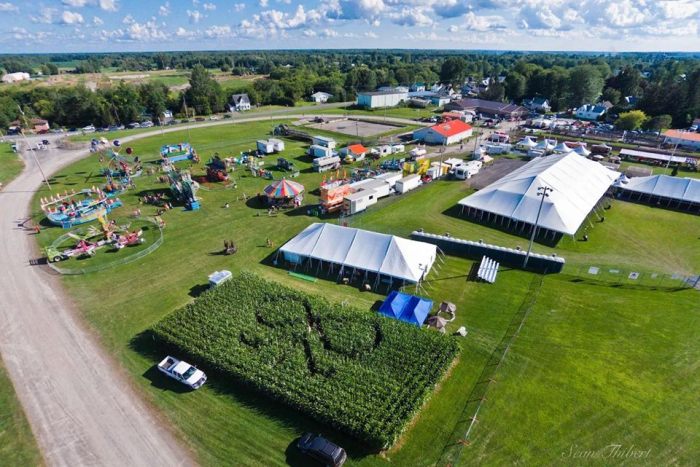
<point x="407" y="308"/>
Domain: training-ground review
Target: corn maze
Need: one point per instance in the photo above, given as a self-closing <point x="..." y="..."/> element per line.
<point x="351" y="369"/>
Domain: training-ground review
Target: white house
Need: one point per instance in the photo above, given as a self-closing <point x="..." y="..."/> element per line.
<point x="380" y="99"/>
<point x="445" y="133"/>
<point x="440" y="100"/>
<point x="320" y="97"/>
<point x="590" y="112"/>
<point x="239" y="103"/>
<point x="14" y="77"/>
<point x="537" y="104"/>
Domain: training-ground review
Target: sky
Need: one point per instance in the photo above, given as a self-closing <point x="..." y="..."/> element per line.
<point x="150" y="25"/>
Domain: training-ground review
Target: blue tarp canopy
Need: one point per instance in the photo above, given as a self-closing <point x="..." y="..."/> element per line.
<point x="407" y="308"/>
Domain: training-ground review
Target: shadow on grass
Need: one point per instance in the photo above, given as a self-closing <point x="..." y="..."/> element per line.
<point x="454" y="212"/>
<point x="197" y="290"/>
<point x="622" y="285"/>
<point x="226" y="385"/>
<point x="257" y="202"/>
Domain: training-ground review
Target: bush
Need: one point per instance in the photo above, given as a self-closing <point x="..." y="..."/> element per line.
<point x="354" y="370"/>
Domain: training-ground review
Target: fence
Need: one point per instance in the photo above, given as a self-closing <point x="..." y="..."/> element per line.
<point x="617" y="276"/>
<point x="100" y="267"/>
<point x="506" y="256"/>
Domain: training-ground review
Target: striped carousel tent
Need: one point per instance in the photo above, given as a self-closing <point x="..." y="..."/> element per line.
<point x="284" y="189"/>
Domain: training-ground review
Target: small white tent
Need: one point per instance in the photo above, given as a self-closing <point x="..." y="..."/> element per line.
<point x="577" y="183"/>
<point x="373" y="252"/>
<point x="582" y="151"/>
<point x="526" y="143"/>
<point x="562" y="148"/>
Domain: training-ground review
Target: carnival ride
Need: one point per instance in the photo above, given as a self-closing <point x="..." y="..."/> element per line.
<point x="184" y="189"/>
<point x="217" y="170"/>
<point x="178" y="152"/>
<point x="72" y="209"/>
<point x="109" y="235"/>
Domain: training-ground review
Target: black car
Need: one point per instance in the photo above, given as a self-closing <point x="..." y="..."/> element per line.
<point x="322" y="450"/>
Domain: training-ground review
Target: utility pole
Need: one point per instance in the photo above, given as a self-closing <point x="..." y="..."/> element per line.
<point x="542" y="192"/>
<point x="673" y="153"/>
<point x="31" y="149"/>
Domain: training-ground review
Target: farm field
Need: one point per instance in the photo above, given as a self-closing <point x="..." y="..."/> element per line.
<point x="223" y="421"/>
<point x="10" y="164"/>
<point x="17" y="445"/>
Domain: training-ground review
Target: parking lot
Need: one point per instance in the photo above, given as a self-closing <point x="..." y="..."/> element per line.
<point x="359" y="128"/>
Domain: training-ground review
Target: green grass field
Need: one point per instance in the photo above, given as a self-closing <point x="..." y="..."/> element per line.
<point x="10" y="164"/>
<point x="524" y="417"/>
<point x="17" y="444"/>
<point x="400" y="112"/>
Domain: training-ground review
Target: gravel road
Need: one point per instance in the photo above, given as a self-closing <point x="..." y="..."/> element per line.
<point x="79" y="401"/>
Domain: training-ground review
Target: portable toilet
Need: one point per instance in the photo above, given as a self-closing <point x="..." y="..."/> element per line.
<point x="219" y="277"/>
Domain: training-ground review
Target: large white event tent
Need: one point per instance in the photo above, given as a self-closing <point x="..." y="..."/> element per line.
<point x="361" y="250"/>
<point x="663" y="190"/>
<point x="578" y="184"/>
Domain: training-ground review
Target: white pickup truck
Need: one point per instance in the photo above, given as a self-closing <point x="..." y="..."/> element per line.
<point x="183" y="372"/>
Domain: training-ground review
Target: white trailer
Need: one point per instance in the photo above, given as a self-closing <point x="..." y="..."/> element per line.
<point x="265" y="146"/>
<point x="417" y="152"/>
<point x="322" y="164"/>
<point x="390" y="177"/>
<point x="278" y="144"/>
<point x="398" y="148"/>
<point x="380" y="187"/>
<point x="408" y="183"/>
<point x="359" y="201"/>
<point x="320" y="151"/>
<point x="324" y="141"/>
<point x="217" y="278"/>
<point x="498" y="148"/>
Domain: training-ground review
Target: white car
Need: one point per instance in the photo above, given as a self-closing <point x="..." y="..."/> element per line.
<point x="146" y="124"/>
<point x="89" y="129"/>
<point x="182" y="371"/>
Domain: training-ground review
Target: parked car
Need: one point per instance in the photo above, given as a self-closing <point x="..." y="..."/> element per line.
<point x="133" y="125"/>
<point x="88" y="129"/>
<point x="146" y="124"/>
<point x="321" y="449"/>
<point x="214" y="117"/>
<point x="182" y="371"/>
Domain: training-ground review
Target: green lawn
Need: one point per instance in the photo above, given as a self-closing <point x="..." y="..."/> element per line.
<point x="17" y="444"/>
<point x="10" y="164"/>
<point x="399" y="112"/>
<point x="225" y="424"/>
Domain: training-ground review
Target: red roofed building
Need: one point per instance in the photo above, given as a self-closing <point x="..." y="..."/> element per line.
<point x="688" y="139"/>
<point x="356" y="151"/>
<point x="445" y="133"/>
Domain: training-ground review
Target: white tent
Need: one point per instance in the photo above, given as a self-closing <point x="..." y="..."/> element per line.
<point x="526" y="143"/>
<point x="363" y="250"/>
<point x="546" y="144"/>
<point x="578" y="184"/>
<point x="665" y="186"/>
<point x="582" y="151"/>
<point x="562" y="148"/>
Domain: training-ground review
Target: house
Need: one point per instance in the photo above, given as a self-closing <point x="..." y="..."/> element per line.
<point x="320" y="97"/>
<point x="537" y="104"/>
<point x="440" y="100"/>
<point x="444" y="133"/>
<point x="491" y="109"/>
<point x="417" y="87"/>
<point x="15" y="77"/>
<point x="380" y="99"/>
<point x="239" y="103"/>
<point x="631" y="101"/>
<point x="590" y="112"/>
<point x="355" y="151"/>
<point x="690" y="139"/>
<point x="36" y="125"/>
<point x="166" y="117"/>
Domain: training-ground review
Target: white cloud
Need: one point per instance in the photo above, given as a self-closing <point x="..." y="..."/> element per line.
<point x="238" y="7"/>
<point x="128" y="19"/>
<point x="411" y="17"/>
<point x="264" y="3"/>
<point x="109" y="5"/>
<point x="70" y="17"/>
<point x="209" y="7"/>
<point x="360" y="9"/>
<point x="451" y="8"/>
<point x="75" y="3"/>
<point x="136" y="32"/>
<point x="185" y="33"/>
<point x="473" y="22"/>
<point x="97" y="21"/>
<point x="45" y="16"/>
<point x="218" y="31"/>
<point x="9" y="7"/>
<point x="195" y="16"/>
<point x="164" y="9"/>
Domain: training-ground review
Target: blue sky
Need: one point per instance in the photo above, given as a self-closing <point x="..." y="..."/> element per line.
<point x="135" y="25"/>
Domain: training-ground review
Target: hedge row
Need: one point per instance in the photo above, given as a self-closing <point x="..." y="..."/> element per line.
<point x="351" y="369"/>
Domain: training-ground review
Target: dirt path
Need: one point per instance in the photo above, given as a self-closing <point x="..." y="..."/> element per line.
<point x="79" y="403"/>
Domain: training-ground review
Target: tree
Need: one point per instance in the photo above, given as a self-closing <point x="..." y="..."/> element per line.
<point x="585" y="85"/>
<point x="495" y="92"/>
<point x="659" y="122"/>
<point x="632" y="120"/>
<point x="205" y="94"/>
<point x="49" y="69"/>
<point x="453" y="70"/>
<point x="154" y="97"/>
<point x="516" y="85"/>
<point x="612" y="95"/>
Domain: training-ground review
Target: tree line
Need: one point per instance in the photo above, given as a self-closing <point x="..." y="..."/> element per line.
<point x="661" y="84"/>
